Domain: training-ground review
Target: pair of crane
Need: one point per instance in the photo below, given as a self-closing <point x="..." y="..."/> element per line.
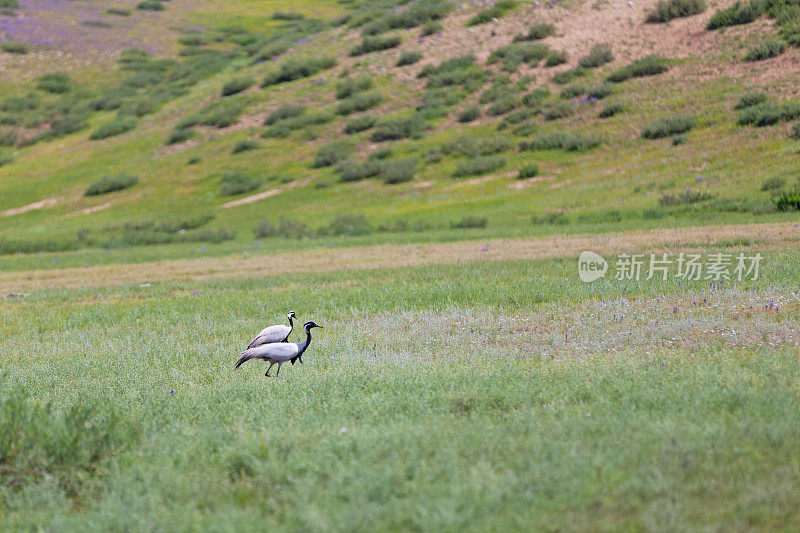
<point x="271" y="345"/>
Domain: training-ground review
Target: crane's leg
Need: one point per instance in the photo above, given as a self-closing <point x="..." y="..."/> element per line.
<point x="270" y="368"/>
<point x="278" y="373"/>
<point x="300" y="358"/>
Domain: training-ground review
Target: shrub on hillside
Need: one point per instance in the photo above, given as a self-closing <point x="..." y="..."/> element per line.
<point x="536" y="32"/>
<point x="117" y="126"/>
<point x="375" y="44"/>
<point x="430" y="28"/>
<point x="179" y="135"/>
<point x="535" y="97"/>
<point x="409" y="57"/>
<point x="219" y="114"/>
<point x="555" y="58"/>
<point x="768" y="114"/>
<point x="351" y="170"/>
<point x="795" y="133"/>
<point x="667" y="10"/>
<point x="666" y="127"/>
<point x="599" y="55"/>
<point x="766" y="50"/>
<point x="567" y="76"/>
<point x="750" y="99"/>
<point x="573" y="90"/>
<point x="296" y="69"/>
<point x="15" y="47"/>
<point x="237" y="182"/>
<point x="495" y="12"/>
<point x="347" y="224"/>
<point x="479" y="165"/>
<point x="330" y="154"/>
<point x="398" y="170"/>
<point x="476" y="146"/>
<point x="687" y="197"/>
<point x="611" y="110"/>
<point x="244" y="145"/>
<point x="788" y="202"/>
<point x="111" y="183"/>
<point x="468" y="222"/>
<point x="646" y="66"/>
<point x="563" y="140"/>
<point x="54" y="82"/>
<point x="121" y="12"/>
<point x="514" y="54"/>
<point x="773" y="184"/>
<point x="528" y="171"/>
<point x="150" y="5"/>
<point x="358" y="102"/>
<point x="399" y="128"/>
<point x="284" y="112"/>
<point x="558" y="110"/>
<point x="350" y="86"/>
<point x="286" y="229"/>
<point x="502" y="105"/>
<point x="738" y="13"/>
<point x="357" y="124"/>
<point x="469" y="114"/>
<point x="412" y="15"/>
<point x="237" y="85"/>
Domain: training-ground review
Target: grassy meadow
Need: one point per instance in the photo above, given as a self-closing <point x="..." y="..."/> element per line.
<point x="419" y="178"/>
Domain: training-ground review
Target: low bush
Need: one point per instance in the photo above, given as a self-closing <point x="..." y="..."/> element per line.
<point x="351" y="170"/>
<point x="555" y="57"/>
<point x="552" y="217"/>
<point x="538" y="31"/>
<point x="358" y="124"/>
<point x="666" y="127"/>
<point x="766" y="50"/>
<point x="15" y="47"/>
<point x="479" y="165"/>
<point x="237" y="182"/>
<point x="219" y="114"/>
<point x="116" y="127"/>
<point x="376" y="44"/>
<point x="54" y="82"/>
<point x="600" y="91"/>
<point x="347" y="224"/>
<point x="121" y="12"/>
<point x="563" y="140"/>
<point x="750" y="99"/>
<point x="646" y="66"/>
<point x="285" y="229"/>
<point x="495" y="12"/>
<point x="535" y="97"/>
<point x="573" y="90"/>
<point x="528" y="171"/>
<point x="111" y="183"/>
<point x="468" y="222"/>
<point x="358" y="102"/>
<point x="558" y="110"/>
<point x="398" y="170"/>
<point x="679" y="139"/>
<point x="502" y="105"/>
<point x="381" y="152"/>
<point x="350" y="86"/>
<point x="788" y="202"/>
<point x="476" y="146"/>
<point x="768" y="114"/>
<point x="296" y="69"/>
<point x="399" y="128"/>
<point x="330" y="154"/>
<point x="773" y="184"/>
<point x="687" y="197"/>
<point x="469" y="114"/>
<point x="244" y="145"/>
<point x="567" y="76"/>
<point x="667" y="10"/>
<point x="285" y="127"/>
<point x="409" y="57"/>
<point x="284" y="112"/>
<point x="599" y="55"/>
<point x="237" y="85"/>
<point x="179" y="135"/>
<point x="150" y="5"/>
<point x="411" y="15"/>
<point x="795" y="133"/>
<point x="514" y="54"/>
<point x="738" y="13"/>
<point x="286" y="15"/>
<point x="430" y="28"/>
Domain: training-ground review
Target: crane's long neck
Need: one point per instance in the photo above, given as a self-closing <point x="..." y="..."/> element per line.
<point x="291" y="324"/>
<point x="305" y="344"/>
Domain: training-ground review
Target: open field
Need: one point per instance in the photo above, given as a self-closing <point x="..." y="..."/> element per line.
<point x="420" y="178"/>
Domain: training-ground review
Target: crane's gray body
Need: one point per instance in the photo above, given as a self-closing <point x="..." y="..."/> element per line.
<point x="277" y="352"/>
<point x="271" y="334"/>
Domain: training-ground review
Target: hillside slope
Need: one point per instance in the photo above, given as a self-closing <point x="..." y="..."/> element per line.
<point x="279" y="120"/>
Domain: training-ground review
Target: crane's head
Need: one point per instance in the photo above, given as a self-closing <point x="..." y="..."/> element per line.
<point x="308" y="325"/>
<point x="291" y="315"/>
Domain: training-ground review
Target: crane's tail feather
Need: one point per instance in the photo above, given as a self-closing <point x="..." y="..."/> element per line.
<point x="241" y="360"/>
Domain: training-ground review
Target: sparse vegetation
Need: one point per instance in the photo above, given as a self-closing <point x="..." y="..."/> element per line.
<point x="536" y="32"/>
<point x="180" y="135"/>
<point x="375" y="43"/>
<point x="332" y="153"/>
<point x="495" y="12"/>
<point x="237" y="85"/>
<point x="514" y="54"/>
<point x="666" y="127"/>
<point x="399" y="128"/>
<point x="111" y="183"/>
<point x="751" y="99"/>
<point x="358" y="102"/>
<point x="237" y="182"/>
<point x="116" y="127"/>
<point x="358" y="124"/>
<point x="409" y="57"/>
<point x="398" y="170"/>
<point x="55" y="82"/>
<point x="555" y="58"/>
<point x="686" y="197"/>
<point x="667" y="10"/>
<point x="563" y="140"/>
<point x="479" y="165"/>
<point x="244" y="145"/>
<point x="766" y="50"/>
<point x="350" y="86"/>
<point x="599" y="55"/>
<point x="558" y="110"/>
<point x="150" y="5"/>
<point x="297" y="69"/>
<point x="469" y="114"/>
<point x="646" y="66"/>
<point x="739" y="13"/>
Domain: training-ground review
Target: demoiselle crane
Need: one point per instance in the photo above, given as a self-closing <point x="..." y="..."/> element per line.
<point x="278" y="352"/>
